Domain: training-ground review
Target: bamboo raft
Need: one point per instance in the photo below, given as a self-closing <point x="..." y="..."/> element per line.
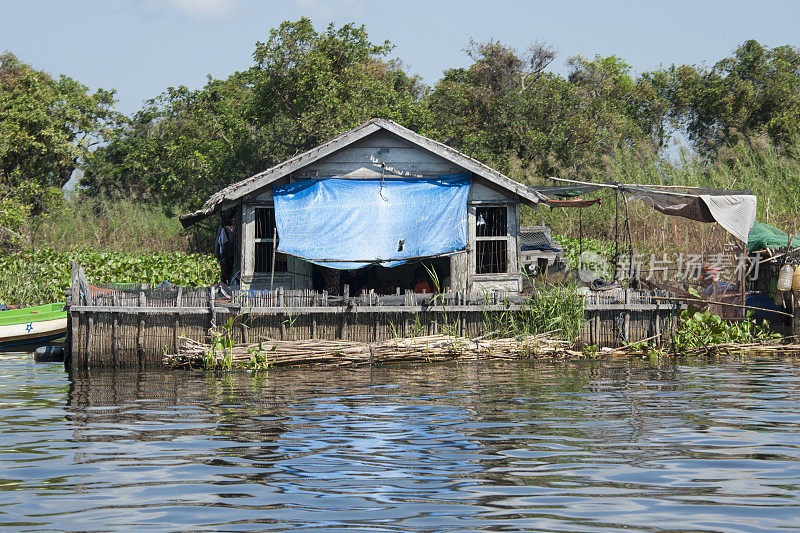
<point x="426" y="349"/>
<point x="429" y="348"/>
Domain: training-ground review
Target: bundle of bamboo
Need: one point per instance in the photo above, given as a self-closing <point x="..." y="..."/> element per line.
<point x="432" y="348"/>
<point x="271" y="352"/>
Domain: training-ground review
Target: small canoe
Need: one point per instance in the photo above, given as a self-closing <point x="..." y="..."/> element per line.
<point x="32" y="325"/>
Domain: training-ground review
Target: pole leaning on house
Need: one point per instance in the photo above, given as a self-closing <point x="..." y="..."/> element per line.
<point x="274" y="248"/>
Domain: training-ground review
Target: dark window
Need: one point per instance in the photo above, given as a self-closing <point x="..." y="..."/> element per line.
<point x="266" y="242"/>
<point x="264" y="258"/>
<point x="491" y="222"/>
<point x="491" y="257"/>
<point x="265" y="222"/>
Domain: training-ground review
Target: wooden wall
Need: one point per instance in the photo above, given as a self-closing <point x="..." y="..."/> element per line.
<point x="363" y="159"/>
<point x="141" y="337"/>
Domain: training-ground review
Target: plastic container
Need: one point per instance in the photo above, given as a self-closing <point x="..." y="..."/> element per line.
<point x="796" y="279"/>
<point x="785" y="278"/>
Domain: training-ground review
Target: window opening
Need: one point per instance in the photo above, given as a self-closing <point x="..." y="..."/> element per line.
<point x="491" y="257"/>
<point x="491" y="240"/>
<point x="491" y="222"/>
<point x="264" y="236"/>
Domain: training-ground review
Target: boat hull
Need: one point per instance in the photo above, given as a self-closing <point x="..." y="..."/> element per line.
<point x="32" y="325"/>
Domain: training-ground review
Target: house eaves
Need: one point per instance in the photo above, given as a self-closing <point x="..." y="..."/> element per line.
<point x="254" y="183"/>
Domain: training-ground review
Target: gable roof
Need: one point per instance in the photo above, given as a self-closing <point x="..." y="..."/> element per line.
<point x="258" y="181"/>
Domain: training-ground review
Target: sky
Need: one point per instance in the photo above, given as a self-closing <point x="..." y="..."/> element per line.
<point x="141" y="47"/>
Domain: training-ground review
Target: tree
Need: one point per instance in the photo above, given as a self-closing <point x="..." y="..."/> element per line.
<point x="304" y="88"/>
<point x="754" y="92"/>
<point x="46" y="125"/>
<point x="505" y="107"/>
<point x="309" y="86"/>
<point x="180" y="147"/>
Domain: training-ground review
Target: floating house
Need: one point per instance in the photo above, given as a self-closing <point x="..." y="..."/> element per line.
<point x="378" y="208"/>
<point x="340" y="243"/>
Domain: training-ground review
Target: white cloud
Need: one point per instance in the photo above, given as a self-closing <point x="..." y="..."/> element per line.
<point x="319" y="10"/>
<point x="203" y="9"/>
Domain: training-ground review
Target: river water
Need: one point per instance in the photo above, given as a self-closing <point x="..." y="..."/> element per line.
<point x="591" y="446"/>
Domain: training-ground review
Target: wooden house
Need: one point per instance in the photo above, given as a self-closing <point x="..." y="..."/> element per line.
<point x="378" y="150"/>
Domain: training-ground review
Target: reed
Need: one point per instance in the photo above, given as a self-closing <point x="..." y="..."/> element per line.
<point x="773" y="176"/>
<point x="551" y="308"/>
<point x="113" y="225"/>
<point x="424" y="349"/>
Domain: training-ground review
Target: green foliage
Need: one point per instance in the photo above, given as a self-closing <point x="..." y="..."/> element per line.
<point x="13" y="215"/>
<point x="310" y="85"/>
<point x="181" y="147"/>
<point x="258" y="358"/>
<point x="220" y="354"/>
<point x="755" y="91"/>
<point x="704" y="329"/>
<point x="505" y="106"/>
<point x="572" y="249"/>
<point x="555" y="309"/>
<point x="34" y="277"/>
<point x="46" y="125"/>
<point x="305" y="87"/>
<point x="102" y="224"/>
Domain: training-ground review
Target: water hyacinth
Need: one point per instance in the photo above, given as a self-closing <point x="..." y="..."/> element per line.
<point x="33" y="277"/>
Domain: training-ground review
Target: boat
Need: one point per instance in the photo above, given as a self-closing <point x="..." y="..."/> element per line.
<point x="32" y="325"/>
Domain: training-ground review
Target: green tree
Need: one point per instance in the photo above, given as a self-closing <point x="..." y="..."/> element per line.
<point x="47" y="125"/>
<point x="304" y="88"/>
<point x="180" y="147"/>
<point x="754" y="92"/>
<point x="309" y="85"/>
<point x="505" y="107"/>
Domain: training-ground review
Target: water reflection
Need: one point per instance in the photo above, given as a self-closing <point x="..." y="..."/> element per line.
<point x="538" y="447"/>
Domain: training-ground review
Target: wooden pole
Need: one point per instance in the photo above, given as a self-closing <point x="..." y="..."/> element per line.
<point x="89" y="328"/>
<point x="796" y="317"/>
<point x="700" y="300"/>
<point x="616" y="234"/>
<point x="75" y="328"/>
<point x="84" y="285"/>
<point x="177" y="321"/>
<point x="274" y="248"/>
<point x="140" y="333"/>
<point x="212" y="309"/>
<point x="629" y="237"/>
<point x="72" y="330"/>
<point x="114" y="332"/>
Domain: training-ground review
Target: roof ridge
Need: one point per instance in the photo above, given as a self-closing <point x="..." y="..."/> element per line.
<point x="243" y="187"/>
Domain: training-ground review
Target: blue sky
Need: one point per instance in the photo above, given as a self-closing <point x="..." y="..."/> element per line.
<point x="140" y="47"/>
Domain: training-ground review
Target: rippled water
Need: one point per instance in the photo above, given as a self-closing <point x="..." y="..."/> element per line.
<point x="490" y="447"/>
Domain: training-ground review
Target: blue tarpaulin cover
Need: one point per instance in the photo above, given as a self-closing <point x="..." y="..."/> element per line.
<point x="348" y="223"/>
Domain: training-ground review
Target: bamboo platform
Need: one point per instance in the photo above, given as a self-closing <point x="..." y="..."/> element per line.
<point x="112" y="325"/>
<point x="429" y="348"/>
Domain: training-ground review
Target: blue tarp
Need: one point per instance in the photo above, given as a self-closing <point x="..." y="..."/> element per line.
<point x="349" y="223"/>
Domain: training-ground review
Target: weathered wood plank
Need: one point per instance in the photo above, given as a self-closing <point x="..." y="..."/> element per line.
<point x="362" y="309"/>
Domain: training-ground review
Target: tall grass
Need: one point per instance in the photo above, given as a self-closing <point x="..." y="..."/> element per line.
<point x="552" y="308"/>
<point x="773" y="176"/>
<point x="119" y="225"/>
